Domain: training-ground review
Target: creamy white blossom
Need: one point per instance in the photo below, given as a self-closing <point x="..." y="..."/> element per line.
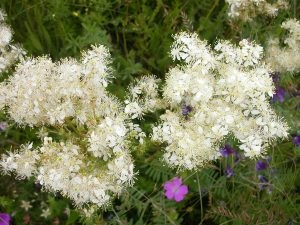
<point x="143" y="97"/>
<point x="285" y="58"/>
<point x="91" y="162"/>
<point x="230" y="97"/>
<point x="9" y="53"/>
<point x="248" y="9"/>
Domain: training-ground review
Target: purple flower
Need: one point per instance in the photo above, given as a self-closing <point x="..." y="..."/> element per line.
<point x="261" y="165"/>
<point x="227" y="151"/>
<point x="186" y="109"/>
<point x="229" y="171"/>
<point x="4" y="219"/>
<point x="3" y="126"/>
<point x="264" y="183"/>
<point x="279" y="94"/>
<point x="175" y="190"/>
<point x="296" y="140"/>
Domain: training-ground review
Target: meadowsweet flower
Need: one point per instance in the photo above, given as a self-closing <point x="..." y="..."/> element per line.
<point x="285" y="58"/>
<point x="142" y="97"/>
<point x="45" y="213"/>
<point x="175" y="190"/>
<point x="5" y="219"/>
<point x="249" y="9"/>
<point x="9" y="53"/>
<point x="296" y="140"/>
<point x="25" y="205"/>
<point x="91" y="164"/>
<point x="228" y="88"/>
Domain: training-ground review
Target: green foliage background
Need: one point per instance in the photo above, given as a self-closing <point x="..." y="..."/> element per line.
<point x="139" y="35"/>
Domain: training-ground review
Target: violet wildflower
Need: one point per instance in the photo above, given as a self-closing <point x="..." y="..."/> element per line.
<point x="261" y="165"/>
<point x="175" y="190"/>
<point x="296" y="140"/>
<point x="5" y="219"/>
<point x="3" y="126"/>
<point x="227" y="150"/>
<point x="186" y="109"/>
<point x="229" y="171"/>
<point x="279" y="94"/>
<point x="264" y="184"/>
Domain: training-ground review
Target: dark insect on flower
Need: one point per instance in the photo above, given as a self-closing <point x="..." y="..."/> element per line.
<point x="229" y="171"/>
<point x="275" y="77"/>
<point x="227" y="150"/>
<point x="186" y="109"/>
<point x="261" y="165"/>
<point x="279" y="94"/>
<point x="296" y="140"/>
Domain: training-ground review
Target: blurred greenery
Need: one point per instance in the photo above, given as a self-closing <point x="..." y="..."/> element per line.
<point x="139" y="34"/>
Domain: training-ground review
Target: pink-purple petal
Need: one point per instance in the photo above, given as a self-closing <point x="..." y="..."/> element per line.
<point x="176" y="181"/>
<point x="183" y="190"/>
<point x="169" y="194"/>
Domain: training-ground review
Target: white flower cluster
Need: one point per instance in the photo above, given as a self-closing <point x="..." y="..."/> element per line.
<point x="248" y="9"/>
<point x="93" y="163"/>
<point x="62" y="167"/>
<point x="143" y="97"/>
<point x="9" y="53"/>
<point x="288" y="57"/>
<point x="23" y="162"/>
<point x="43" y="92"/>
<point x="215" y="93"/>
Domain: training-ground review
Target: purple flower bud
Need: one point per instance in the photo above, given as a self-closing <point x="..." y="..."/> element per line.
<point x="5" y="219"/>
<point x="296" y="140"/>
<point x="279" y="94"/>
<point x="227" y="150"/>
<point x="261" y="165"/>
<point x="229" y="171"/>
<point x="186" y="109"/>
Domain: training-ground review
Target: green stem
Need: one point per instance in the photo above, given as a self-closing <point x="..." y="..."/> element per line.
<point x="200" y="196"/>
